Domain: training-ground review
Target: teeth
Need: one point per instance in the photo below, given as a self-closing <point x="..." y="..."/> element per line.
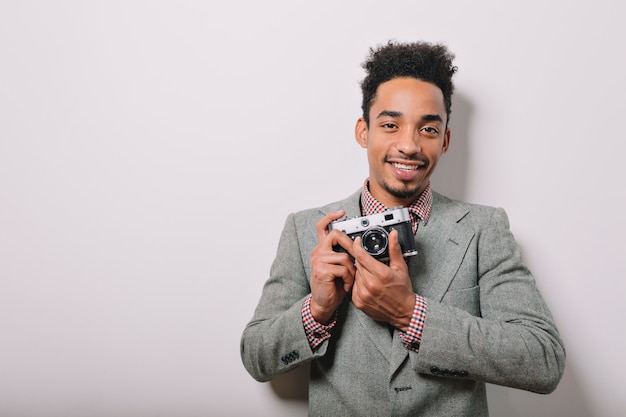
<point x="405" y="167"/>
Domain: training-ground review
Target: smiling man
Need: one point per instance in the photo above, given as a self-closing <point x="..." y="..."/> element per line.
<point x="405" y="334"/>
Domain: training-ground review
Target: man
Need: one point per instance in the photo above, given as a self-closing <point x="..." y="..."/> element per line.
<point x="414" y="335"/>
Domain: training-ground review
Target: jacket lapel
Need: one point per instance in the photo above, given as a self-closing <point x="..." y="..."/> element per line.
<point x="451" y="247"/>
<point x="378" y="332"/>
<point x="442" y="245"/>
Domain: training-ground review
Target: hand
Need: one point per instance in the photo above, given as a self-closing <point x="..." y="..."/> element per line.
<point x="332" y="273"/>
<point x="383" y="292"/>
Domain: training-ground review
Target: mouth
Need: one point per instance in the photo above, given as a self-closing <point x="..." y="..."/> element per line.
<point x="407" y="170"/>
<point x="406" y="167"/>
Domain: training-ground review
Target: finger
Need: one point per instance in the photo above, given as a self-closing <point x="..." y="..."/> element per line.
<point x="344" y="272"/>
<point x="349" y="278"/>
<point x="322" y="225"/>
<point x="395" y="250"/>
<point x="323" y="259"/>
<point x="338" y="258"/>
<point x="357" y="249"/>
<point x="337" y="239"/>
<point x="334" y="277"/>
<point x="363" y="259"/>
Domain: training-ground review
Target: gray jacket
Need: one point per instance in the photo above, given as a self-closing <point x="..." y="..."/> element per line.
<point x="486" y="322"/>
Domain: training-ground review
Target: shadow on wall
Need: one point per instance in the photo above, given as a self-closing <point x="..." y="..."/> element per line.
<point x="450" y="176"/>
<point x="567" y="401"/>
<point x="294" y="385"/>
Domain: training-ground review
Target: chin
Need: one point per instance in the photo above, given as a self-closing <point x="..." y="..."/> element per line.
<point x="403" y="193"/>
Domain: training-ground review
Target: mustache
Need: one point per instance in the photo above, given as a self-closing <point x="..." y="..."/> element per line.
<point x="413" y="158"/>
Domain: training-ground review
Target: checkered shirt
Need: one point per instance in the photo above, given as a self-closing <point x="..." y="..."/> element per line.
<point x="316" y="333"/>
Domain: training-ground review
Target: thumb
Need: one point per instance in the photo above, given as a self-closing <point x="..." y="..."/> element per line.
<point x="395" y="251"/>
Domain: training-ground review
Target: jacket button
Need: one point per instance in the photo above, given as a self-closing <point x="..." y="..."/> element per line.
<point x="290" y="357"/>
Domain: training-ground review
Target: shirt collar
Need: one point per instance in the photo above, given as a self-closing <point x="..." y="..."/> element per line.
<point x="419" y="210"/>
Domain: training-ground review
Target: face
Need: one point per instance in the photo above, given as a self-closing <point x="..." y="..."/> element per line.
<point x="405" y="138"/>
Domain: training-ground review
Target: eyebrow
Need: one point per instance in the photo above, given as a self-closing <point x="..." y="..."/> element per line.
<point x="432" y="118"/>
<point x="426" y="117"/>
<point x="389" y="113"/>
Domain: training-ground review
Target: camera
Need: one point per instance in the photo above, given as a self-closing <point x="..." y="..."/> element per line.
<point x="374" y="232"/>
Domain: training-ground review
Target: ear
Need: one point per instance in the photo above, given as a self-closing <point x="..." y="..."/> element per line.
<point x="360" y="132"/>
<point x="446" y="141"/>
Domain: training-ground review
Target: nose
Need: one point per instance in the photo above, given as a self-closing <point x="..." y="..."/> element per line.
<point x="409" y="142"/>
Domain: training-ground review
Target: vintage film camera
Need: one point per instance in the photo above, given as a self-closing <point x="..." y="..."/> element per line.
<point x="374" y="231"/>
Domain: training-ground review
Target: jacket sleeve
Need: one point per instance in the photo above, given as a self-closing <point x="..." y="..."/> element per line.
<point x="512" y="340"/>
<point x="274" y="341"/>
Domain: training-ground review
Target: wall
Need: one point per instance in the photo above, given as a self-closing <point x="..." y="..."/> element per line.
<point x="150" y="151"/>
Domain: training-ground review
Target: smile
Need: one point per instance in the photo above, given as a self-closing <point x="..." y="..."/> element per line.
<point x="405" y="167"/>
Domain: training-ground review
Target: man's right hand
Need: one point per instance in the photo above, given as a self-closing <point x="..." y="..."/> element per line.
<point x="332" y="273"/>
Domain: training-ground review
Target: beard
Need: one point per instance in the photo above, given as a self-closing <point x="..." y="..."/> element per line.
<point x="403" y="193"/>
<point x="406" y="191"/>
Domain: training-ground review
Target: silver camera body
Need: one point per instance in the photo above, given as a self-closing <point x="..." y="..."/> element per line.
<point x="374" y="232"/>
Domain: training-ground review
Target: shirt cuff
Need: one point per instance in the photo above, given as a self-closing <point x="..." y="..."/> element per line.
<point x="412" y="338"/>
<point x="316" y="332"/>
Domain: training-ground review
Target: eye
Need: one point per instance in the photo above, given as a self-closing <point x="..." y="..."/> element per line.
<point x="389" y="125"/>
<point x="430" y="130"/>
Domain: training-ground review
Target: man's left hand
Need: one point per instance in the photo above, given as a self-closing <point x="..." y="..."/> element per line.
<point x="383" y="292"/>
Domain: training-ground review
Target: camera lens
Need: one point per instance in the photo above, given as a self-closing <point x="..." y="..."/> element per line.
<point x="375" y="241"/>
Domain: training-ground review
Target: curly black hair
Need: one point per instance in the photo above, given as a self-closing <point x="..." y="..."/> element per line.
<point x="421" y="60"/>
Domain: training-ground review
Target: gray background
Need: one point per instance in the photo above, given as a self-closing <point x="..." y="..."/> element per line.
<point x="151" y="150"/>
